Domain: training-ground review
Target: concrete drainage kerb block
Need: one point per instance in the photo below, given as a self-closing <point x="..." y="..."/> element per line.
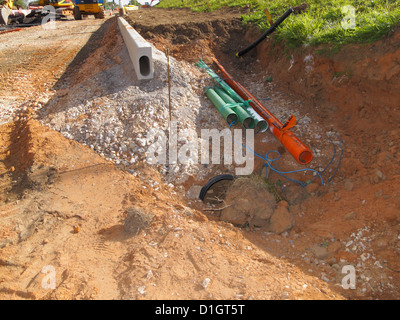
<point x="139" y="50"/>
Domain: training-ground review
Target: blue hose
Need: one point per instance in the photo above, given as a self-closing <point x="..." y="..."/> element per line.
<point x="269" y="161"/>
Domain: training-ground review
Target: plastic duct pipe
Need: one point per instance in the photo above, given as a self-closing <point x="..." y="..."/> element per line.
<point x="296" y="148"/>
<point x="244" y="117"/>
<point x="140" y="51"/>
<point x="225" y="111"/>
<point x="8" y="31"/>
<point x="260" y="124"/>
<point x="266" y="33"/>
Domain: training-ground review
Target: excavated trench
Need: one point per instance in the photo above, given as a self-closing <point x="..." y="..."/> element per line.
<point x="221" y="35"/>
<point x="335" y="94"/>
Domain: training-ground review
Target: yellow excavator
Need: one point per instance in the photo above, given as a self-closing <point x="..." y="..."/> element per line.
<point x="6" y="7"/>
<point x="84" y="8"/>
<point x="62" y="7"/>
<point x="65" y="7"/>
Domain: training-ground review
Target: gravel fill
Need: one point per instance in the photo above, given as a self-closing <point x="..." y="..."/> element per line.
<point x="120" y="117"/>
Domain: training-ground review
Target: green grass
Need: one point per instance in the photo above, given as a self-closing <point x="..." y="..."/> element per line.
<point x="322" y="23"/>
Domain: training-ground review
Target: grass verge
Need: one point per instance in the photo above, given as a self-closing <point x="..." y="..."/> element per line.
<point x="335" y="21"/>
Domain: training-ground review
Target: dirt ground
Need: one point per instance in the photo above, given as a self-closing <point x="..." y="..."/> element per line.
<point x="110" y="234"/>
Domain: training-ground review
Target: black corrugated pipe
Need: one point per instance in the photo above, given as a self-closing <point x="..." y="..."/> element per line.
<point x="266" y="33"/>
<point x="212" y="181"/>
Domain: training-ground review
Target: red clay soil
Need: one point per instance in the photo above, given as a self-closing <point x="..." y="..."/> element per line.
<point x="353" y="92"/>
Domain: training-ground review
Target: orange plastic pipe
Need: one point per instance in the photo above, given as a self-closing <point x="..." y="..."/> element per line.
<point x="296" y="148"/>
<point x="7" y="31"/>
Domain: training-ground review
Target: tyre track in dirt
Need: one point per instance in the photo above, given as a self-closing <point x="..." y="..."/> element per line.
<point x="33" y="59"/>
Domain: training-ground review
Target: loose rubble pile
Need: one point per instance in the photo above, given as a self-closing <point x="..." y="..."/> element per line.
<point x="124" y="119"/>
<point x="127" y="120"/>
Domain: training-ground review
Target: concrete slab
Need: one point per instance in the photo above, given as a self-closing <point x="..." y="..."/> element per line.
<point x="140" y="51"/>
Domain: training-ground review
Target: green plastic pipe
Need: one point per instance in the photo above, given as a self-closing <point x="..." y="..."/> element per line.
<point x="222" y="107"/>
<point x="244" y="117"/>
<point x="221" y="82"/>
<point x="260" y="124"/>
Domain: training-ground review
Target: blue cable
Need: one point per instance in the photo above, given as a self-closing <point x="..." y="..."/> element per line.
<point x="269" y="162"/>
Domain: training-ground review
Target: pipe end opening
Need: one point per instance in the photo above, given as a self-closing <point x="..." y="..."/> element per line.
<point x="305" y="157"/>
<point x="262" y="126"/>
<point x="248" y="123"/>
<point x="232" y="118"/>
<point x="144" y="65"/>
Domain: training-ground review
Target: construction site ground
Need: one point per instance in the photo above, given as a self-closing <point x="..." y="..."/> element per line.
<point x="67" y="200"/>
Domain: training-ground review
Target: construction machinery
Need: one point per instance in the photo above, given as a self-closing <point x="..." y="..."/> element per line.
<point x="84" y="8"/>
<point x="36" y="12"/>
<point x="65" y="7"/>
<point x="6" y="7"/>
<point x="131" y="7"/>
